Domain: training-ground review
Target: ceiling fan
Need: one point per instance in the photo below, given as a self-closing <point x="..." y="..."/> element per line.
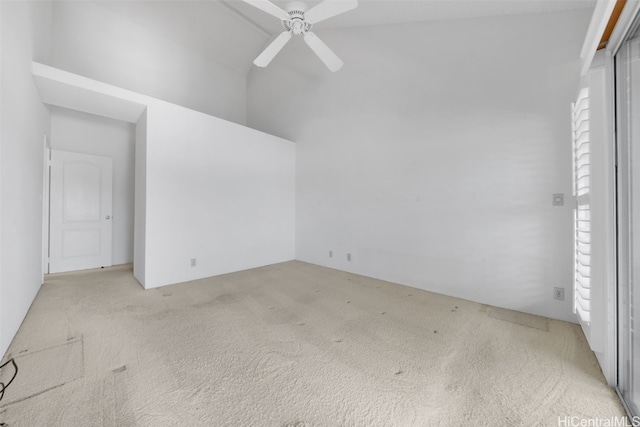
<point x="297" y="20"/>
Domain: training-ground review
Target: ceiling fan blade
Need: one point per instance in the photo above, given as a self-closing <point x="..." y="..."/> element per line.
<point x="270" y="8"/>
<point x="329" y="8"/>
<point x="325" y="54"/>
<point x="272" y="50"/>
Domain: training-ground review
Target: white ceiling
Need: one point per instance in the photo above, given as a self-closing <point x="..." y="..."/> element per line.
<point x="219" y="29"/>
<point x="381" y="12"/>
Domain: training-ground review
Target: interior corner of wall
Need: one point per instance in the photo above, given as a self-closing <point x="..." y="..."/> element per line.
<point x="140" y="202"/>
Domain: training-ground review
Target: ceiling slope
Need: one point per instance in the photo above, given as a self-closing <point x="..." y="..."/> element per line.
<point x="384" y="12"/>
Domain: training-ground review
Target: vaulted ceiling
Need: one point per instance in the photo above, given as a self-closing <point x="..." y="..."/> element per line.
<point x="233" y="33"/>
<point x="381" y="12"/>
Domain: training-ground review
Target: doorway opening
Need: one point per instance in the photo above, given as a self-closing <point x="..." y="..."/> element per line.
<point x="89" y="222"/>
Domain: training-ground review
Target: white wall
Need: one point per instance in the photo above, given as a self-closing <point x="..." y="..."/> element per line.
<point x="433" y="154"/>
<point x="140" y="205"/>
<point x="26" y="29"/>
<point x="155" y="48"/>
<point x="85" y="133"/>
<point x="217" y="192"/>
<point x="205" y="188"/>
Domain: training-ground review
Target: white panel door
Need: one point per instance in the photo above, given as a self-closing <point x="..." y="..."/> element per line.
<point x="80" y="215"/>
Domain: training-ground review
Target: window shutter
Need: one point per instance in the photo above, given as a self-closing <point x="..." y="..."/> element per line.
<point x="582" y="187"/>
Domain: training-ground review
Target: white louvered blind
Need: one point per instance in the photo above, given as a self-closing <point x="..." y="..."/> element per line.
<point x="582" y="185"/>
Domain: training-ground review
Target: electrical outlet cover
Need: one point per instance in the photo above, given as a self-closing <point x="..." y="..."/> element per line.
<point x="558" y="293"/>
<point x="558" y="199"/>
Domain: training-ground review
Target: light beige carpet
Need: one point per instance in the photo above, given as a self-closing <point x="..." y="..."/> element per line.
<point x="291" y="344"/>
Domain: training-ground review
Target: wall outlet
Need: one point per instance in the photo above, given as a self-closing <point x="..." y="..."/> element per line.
<point x="348" y="257"/>
<point x="330" y="254"/>
<point x="193" y="262"/>
<point x="558" y="199"/>
<point x="558" y="293"/>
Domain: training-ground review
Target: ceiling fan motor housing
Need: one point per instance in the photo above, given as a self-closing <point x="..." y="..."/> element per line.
<point x="296" y="24"/>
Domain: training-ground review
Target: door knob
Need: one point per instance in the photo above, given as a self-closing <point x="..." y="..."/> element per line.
<point x="107" y="217"/>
